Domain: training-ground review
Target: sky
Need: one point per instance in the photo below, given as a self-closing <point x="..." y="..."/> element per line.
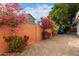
<point x="37" y="10"/>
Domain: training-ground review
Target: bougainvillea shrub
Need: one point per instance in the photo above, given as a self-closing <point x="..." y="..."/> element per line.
<point x="46" y="22"/>
<point x="11" y="15"/>
<point x="16" y="43"/>
<point x="46" y="34"/>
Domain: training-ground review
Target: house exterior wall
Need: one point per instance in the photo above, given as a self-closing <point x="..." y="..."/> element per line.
<point x="31" y="30"/>
<point x="30" y="19"/>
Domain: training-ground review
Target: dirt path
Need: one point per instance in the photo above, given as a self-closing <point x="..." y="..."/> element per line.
<point x="56" y="46"/>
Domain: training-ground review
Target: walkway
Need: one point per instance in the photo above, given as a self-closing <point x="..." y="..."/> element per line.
<point x="59" y="45"/>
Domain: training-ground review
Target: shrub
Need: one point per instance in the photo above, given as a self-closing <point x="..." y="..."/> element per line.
<point x="46" y="35"/>
<point x="55" y="28"/>
<point x="46" y="22"/>
<point x="11" y="16"/>
<point x="16" y="43"/>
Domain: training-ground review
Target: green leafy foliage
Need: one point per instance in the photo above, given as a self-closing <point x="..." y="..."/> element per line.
<point x="64" y="14"/>
<point x="12" y="23"/>
<point x="55" y="28"/>
<point x="16" y="43"/>
<point x="1" y="23"/>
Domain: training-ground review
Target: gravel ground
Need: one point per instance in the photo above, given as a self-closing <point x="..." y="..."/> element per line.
<point x="60" y="45"/>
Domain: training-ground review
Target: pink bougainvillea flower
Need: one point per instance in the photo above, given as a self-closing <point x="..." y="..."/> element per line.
<point x="46" y="22"/>
<point x="10" y="28"/>
<point x="7" y="5"/>
<point x="16" y="28"/>
<point x="0" y="10"/>
<point x="10" y="10"/>
<point x="16" y="17"/>
<point x="6" y="17"/>
<point x="1" y="19"/>
<point x="2" y="27"/>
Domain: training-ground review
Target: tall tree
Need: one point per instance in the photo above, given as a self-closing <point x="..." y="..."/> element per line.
<point x="63" y="13"/>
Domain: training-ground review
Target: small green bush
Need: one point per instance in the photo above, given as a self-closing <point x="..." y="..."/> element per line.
<point x="16" y="43"/>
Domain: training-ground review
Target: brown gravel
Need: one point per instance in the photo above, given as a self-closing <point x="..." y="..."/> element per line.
<point x="60" y="45"/>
